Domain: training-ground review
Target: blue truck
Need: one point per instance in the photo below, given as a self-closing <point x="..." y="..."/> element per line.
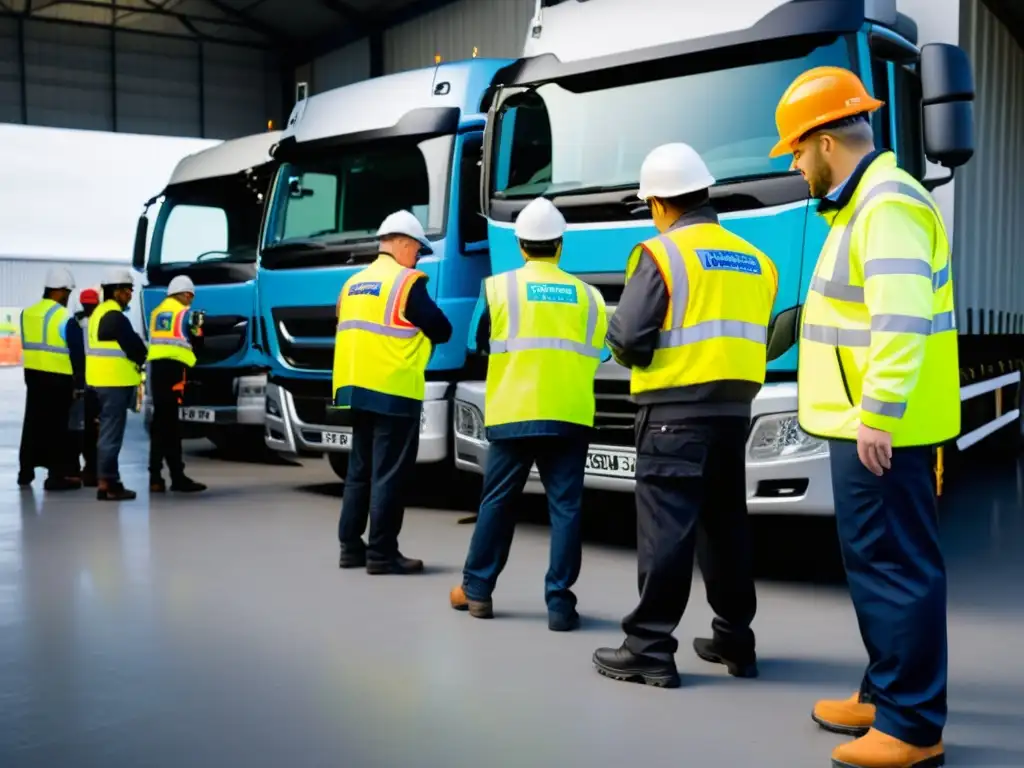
<point x="206" y="225"/>
<point x="349" y="157"/>
<point x="602" y="83"/>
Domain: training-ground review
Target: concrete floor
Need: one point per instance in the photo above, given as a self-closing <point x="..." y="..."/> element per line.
<point x="218" y="631"/>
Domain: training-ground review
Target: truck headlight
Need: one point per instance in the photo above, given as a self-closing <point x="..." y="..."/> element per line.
<point x="271" y="408"/>
<point x="469" y="422"/>
<point x="423" y="420"/>
<point x="779" y="437"/>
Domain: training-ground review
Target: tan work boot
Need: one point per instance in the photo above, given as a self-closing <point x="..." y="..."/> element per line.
<point x="849" y="717"/>
<point x="879" y="750"/>
<point x="480" y="609"/>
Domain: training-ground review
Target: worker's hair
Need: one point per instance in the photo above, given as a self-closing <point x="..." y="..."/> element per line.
<point x="540" y="249"/>
<point x="689" y="202"/>
<point x="854" y="132"/>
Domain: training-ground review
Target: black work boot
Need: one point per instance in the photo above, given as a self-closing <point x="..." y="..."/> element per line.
<point x="114" y="492"/>
<point x="563" y="621"/>
<point x="56" y="483"/>
<point x="738" y="663"/>
<point x="26" y="477"/>
<point x="399" y="565"/>
<point x="185" y="484"/>
<point x="622" y="664"/>
<point x="352" y="557"/>
<point x="157" y="484"/>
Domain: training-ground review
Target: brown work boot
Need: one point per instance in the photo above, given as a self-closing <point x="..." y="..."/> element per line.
<point x="850" y="717"/>
<point x="480" y="609"/>
<point x="879" y="750"/>
<point x="113" y="492"/>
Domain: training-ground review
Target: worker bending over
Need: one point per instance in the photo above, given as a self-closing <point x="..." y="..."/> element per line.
<point x="543" y="330"/>
<point x="879" y="378"/>
<point x="114" y="357"/>
<point x="387" y="324"/>
<point x="84" y="409"/>
<point x="692" y="325"/>
<point x="52" y="355"/>
<point x="173" y="331"/>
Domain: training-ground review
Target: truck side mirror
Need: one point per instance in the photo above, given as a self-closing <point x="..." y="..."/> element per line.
<point x="139" y="254"/>
<point x="783" y="332"/>
<point x="947" y="98"/>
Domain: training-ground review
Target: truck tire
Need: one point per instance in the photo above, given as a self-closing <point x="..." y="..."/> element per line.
<point x="339" y="464"/>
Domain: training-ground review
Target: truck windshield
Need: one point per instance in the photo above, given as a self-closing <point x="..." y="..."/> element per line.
<point x="551" y="140"/>
<point x="208" y="221"/>
<point x="342" y="196"/>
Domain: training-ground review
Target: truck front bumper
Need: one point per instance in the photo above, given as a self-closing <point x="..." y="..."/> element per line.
<point x="787" y="471"/>
<point x="199" y="418"/>
<point x="285" y="432"/>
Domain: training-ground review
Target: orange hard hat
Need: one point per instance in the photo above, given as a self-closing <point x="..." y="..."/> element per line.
<point x="817" y="97"/>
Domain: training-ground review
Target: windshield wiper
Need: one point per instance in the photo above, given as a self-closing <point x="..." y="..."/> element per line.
<point x="563" y="190"/>
<point x="295" y="245"/>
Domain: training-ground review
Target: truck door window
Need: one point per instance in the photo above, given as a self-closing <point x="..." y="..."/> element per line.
<point x="192" y="230"/>
<point x="472" y="224"/>
<point x="906" y="95"/>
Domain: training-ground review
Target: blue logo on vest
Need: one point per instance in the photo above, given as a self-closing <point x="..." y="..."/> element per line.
<point x="559" y="293"/>
<point x="163" y="321"/>
<point x="731" y="261"/>
<point x="364" y="289"/>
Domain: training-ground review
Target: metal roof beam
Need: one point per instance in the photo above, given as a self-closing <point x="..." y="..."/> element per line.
<point x="247" y="20"/>
<point x="115" y="7"/>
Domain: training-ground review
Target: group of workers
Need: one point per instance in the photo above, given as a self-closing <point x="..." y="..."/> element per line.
<point x="83" y="374"/>
<point x="878" y="379"/>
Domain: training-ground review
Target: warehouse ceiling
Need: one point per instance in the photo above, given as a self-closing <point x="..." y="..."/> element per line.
<point x="278" y="24"/>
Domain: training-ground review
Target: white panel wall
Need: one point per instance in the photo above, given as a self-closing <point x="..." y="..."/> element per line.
<point x="989" y="238"/>
<point x="497" y="28"/>
<point x="344" y="66"/>
<point x="93" y="78"/>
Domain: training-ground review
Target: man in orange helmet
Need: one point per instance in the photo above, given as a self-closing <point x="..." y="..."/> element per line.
<point x="879" y="379"/>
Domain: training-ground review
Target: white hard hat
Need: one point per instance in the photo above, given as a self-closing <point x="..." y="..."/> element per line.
<point x="58" y="277"/>
<point x="540" y="222"/>
<point x="181" y="284"/>
<point x="404" y="223"/>
<point x="672" y="170"/>
<point x="119" y="276"/>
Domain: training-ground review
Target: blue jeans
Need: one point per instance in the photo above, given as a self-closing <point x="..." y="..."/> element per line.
<point x="114" y="405"/>
<point x="561" y="463"/>
<point x="889" y="535"/>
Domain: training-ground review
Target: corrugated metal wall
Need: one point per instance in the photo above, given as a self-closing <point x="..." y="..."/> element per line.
<point x="22" y="280"/>
<point x="345" y="66"/>
<point x="93" y="78"/>
<point x="989" y="230"/>
<point x="497" y="28"/>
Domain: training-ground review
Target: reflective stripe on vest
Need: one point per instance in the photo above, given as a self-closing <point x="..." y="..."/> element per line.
<point x="679" y="336"/>
<point x="170" y="342"/>
<point x="515" y="343"/>
<point x="382" y="328"/>
<point x="50" y="354"/>
<point x="106" y="364"/>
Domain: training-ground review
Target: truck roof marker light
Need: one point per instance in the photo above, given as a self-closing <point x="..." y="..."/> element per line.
<point x="476" y="51"/>
<point x="270" y="125"/>
<point x="437" y="58"/>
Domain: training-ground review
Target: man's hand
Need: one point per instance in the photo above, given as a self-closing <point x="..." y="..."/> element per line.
<point x="874" y="448"/>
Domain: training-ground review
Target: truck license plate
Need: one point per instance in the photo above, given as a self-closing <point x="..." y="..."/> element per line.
<point x="204" y="415"/>
<point x="610" y="463"/>
<point x="339" y="439"/>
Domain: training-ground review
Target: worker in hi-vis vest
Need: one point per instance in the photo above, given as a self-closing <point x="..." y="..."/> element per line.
<point x="692" y="325"/>
<point x="114" y="358"/>
<point x="387" y="326"/>
<point x="174" y="329"/>
<point x="85" y="414"/>
<point x="543" y="331"/>
<point x="879" y="379"/>
<point x="52" y="358"/>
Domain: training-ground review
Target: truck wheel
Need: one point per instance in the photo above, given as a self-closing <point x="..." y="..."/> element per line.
<point x="339" y="464"/>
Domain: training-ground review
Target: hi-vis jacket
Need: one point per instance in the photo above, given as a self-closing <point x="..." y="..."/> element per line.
<point x="106" y="364"/>
<point x="878" y="341"/>
<point x="380" y="358"/>
<point x="169" y="333"/>
<point x="547" y="337"/>
<point x="43" y="345"/>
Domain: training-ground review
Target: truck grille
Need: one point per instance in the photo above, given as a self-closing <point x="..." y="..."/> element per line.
<point x="305" y="336"/>
<point x="615" y="414"/>
<point x="311" y="398"/>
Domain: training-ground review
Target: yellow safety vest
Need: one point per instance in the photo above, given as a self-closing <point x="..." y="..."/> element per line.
<point x="106" y="364"/>
<point x="547" y="334"/>
<point x="376" y="349"/>
<point x="878" y="340"/>
<point x="169" y="334"/>
<point x="721" y="291"/>
<point x="43" y="346"/>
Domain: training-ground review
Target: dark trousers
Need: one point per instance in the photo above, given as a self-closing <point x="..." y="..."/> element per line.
<point x="561" y="463"/>
<point x="114" y="405"/>
<point x="690" y="474"/>
<point x="889" y="535"/>
<point x="44" y="432"/>
<point x="380" y="469"/>
<point x="83" y="426"/>
<point x="164" y="432"/>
